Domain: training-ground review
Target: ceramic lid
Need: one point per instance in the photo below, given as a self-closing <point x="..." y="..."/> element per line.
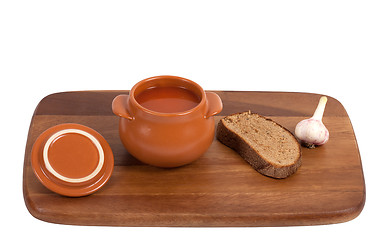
<point x="72" y="159"/>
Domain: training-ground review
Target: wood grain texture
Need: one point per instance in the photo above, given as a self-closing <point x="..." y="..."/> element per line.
<point x="220" y="188"/>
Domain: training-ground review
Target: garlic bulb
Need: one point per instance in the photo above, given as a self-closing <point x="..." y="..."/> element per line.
<point x="312" y="131"/>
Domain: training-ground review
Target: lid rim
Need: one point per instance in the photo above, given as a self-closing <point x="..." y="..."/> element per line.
<point x="68" y="179"/>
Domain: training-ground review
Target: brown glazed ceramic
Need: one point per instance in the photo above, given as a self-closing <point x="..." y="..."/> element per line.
<point x="166" y="139"/>
<point x="72" y="159"/>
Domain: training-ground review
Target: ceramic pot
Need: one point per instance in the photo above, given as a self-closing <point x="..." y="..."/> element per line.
<point x="166" y="139"/>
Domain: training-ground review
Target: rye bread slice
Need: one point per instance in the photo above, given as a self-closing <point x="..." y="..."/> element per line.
<point x="268" y="147"/>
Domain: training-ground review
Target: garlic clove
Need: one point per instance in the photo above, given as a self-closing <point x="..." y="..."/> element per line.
<point x="312" y="131"/>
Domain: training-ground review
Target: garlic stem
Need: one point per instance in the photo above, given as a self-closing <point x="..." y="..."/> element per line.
<point x="318" y="114"/>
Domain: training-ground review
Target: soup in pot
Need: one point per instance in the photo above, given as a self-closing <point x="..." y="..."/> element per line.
<point x="168" y="99"/>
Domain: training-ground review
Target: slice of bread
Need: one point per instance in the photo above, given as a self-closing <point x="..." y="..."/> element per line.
<point x="267" y="146"/>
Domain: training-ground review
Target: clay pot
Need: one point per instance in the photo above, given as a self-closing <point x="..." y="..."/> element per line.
<point x="167" y="139"/>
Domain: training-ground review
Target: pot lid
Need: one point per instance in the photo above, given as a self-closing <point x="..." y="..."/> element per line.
<point x="72" y="159"/>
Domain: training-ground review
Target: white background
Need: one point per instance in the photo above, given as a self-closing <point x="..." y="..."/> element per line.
<point x="327" y="47"/>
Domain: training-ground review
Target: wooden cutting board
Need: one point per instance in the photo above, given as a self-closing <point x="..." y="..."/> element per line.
<point x="220" y="188"/>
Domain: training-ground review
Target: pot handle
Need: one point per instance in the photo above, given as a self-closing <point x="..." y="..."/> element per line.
<point x="214" y="104"/>
<point x="119" y="106"/>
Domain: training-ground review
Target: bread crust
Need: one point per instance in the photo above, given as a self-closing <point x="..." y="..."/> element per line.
<point x="251" y="155"/>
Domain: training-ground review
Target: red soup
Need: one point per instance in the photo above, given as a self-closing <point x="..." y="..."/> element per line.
<point x="168" y="99"/>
